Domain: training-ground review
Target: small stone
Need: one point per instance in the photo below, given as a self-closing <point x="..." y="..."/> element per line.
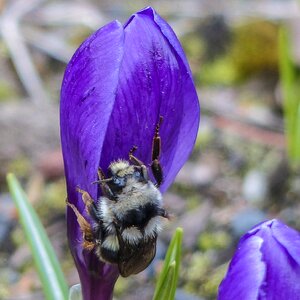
<point x="7" y="217"/>
<point x="255" y="186"/>
<point x="75" y="292"/>
<point x="183" y="295"/>
<point x="245" y="220"/>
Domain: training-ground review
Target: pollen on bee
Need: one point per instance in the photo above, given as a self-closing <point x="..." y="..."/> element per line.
<point x="111" y="242"/>
<point x="118" y="165"/>
<point x="132" y="235"/>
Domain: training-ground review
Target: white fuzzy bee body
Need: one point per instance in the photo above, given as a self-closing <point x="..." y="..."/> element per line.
<point x="132" y="219"/>
<point x="129" y="214"/>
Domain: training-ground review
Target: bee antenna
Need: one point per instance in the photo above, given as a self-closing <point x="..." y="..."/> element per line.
<point x="102" y="181"/>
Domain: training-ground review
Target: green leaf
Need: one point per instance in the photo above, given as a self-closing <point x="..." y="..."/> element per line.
<point x="168" y="278"/>
<point x="290" y="90"/>
<point x="166" y="289"/>
<point x="51" y="275"/>
<point x="297" y="133"/>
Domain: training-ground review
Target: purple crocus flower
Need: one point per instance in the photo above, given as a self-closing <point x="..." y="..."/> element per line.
<point x="266" y="265"/>
<point x="116" y="86"/>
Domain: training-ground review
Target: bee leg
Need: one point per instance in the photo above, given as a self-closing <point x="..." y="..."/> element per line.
<point x="104" y="186"/>
<point x="85" y="227"/>
<point x="138" y="163"/>
<point x="156" y="151"/>
<point x="86" y="198"/>
<point x="163" y="213"/>
<point x="101" y="174"/>
<point x="134" y="159"/>
<point x="90" y="205"/>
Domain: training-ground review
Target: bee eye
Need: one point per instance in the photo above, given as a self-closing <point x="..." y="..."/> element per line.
<point x="137" y="175"/>
<point x="118" y="181"/>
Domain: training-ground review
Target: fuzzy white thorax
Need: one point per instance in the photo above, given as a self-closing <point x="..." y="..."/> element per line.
<point x="136" y="195"/>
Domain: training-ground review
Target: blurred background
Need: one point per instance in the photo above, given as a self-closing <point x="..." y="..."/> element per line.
<point x="245" y="57"/>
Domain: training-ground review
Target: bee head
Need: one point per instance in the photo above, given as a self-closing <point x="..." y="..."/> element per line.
<point x="119" y="171"/>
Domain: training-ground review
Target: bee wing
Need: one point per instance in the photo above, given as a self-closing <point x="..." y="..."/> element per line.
<point x="135" y="259"/>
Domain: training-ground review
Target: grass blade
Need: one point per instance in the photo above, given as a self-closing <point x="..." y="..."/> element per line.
<point x="168" y="285"/>
<point x="290" y="90"/>
<point x="51" y="275"/>
<point x="167" y="281"/>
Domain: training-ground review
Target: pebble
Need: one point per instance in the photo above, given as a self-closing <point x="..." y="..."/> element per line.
<point x="245" y="220"/>
<point x="183" y="295"/>
<point x="7" y="217"/>
<point x="75" y="292"/>
<point x="255" y="187"/>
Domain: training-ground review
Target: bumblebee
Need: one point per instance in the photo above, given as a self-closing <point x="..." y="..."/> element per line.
<point x="129" y="214"/>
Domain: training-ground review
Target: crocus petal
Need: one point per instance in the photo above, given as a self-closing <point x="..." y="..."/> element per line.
<point x="87" y="99"/>
<point x="276" y="261"/>
<point x="169" y="34"/>
<point x="154" y="81"/>
<point x="288" y="238"/>
<point x="246" y="272"/>
<point x="117" y="85"/>
<point x="283" y="269"/>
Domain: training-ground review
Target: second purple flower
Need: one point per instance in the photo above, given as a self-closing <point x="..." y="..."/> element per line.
<point x="266" y="265"/>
